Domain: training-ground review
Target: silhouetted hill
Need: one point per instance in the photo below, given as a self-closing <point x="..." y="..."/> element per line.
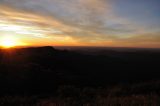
<point x="38" y="69"/>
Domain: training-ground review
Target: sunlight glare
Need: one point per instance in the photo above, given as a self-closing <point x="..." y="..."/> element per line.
<point x="10" y="41"/>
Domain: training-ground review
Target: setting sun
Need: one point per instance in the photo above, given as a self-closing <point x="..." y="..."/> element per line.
<point x="10" y="41"/>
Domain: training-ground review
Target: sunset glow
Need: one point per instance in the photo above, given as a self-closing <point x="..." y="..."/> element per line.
<point x="117" y="23"/>
<point x="10" y="41"/>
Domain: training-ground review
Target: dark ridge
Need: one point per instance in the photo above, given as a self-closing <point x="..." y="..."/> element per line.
<point x="43" y="69"/>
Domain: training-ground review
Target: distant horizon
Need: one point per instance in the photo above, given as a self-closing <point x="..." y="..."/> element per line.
<point x="101" y="47"/>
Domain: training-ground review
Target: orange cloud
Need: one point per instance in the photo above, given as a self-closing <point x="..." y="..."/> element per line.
<point x="72" y="22"/>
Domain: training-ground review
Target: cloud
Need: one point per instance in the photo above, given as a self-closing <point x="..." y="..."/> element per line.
<point x="94" y="15"/>
<point x="89" y="22"/>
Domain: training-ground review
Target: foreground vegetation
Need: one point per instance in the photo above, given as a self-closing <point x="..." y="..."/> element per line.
<point x="133" y="100"/>
<point x="131" y="95"/>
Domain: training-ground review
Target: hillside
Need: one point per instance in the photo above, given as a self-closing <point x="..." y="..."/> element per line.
<point x="43" y="69"/>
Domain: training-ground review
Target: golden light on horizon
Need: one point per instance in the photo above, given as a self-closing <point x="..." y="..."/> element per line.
<point x="10" y="41"/>
<point x="28" y="28"/>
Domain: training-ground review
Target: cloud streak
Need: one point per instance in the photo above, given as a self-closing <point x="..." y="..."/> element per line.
<point x="81" y="22"/>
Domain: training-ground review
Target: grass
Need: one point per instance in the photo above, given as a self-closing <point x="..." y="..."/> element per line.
<point x="72" y="96"/>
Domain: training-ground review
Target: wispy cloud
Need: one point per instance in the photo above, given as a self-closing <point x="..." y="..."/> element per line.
<point x="85" y="22"/>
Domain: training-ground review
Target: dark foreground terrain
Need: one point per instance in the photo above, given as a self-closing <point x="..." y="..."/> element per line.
<point x="45" y="76"/>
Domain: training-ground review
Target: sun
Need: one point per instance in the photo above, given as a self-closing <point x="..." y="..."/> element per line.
<point x="9" y="42"/>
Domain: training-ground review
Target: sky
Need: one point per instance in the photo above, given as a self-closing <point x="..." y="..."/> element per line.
<point x="110" y="23"/>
